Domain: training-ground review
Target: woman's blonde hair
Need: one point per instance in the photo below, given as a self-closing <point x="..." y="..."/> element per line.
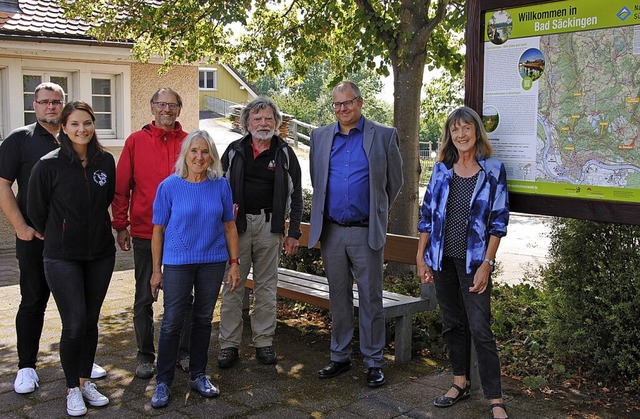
<point x="214" y="171"/>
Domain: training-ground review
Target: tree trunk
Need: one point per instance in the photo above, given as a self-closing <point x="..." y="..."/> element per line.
<point x="403" y="217"/>
<point x="406" y="113"/>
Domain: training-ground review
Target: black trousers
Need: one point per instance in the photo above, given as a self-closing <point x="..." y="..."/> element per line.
<point x="34" y="292"/>
<point x="466" y="317"/>
<point x="79" y="288"/>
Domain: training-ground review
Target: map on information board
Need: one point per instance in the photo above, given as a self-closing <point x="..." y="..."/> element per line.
<point x="561" y="97"/>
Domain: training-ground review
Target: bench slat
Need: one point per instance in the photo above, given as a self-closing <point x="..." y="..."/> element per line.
<point x="402" y="249"/>
<point x="313" y="289"/>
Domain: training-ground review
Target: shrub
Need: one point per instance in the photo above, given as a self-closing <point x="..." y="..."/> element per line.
<point x="592" y="284"/>
<point x="520" y="328"/>
<point x="305" y="260"/>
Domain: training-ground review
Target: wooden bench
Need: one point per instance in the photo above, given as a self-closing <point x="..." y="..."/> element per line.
<point x="314" y="290"/>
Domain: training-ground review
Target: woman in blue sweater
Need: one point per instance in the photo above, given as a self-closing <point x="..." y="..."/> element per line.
<point x="194" y="236"/>
<point x="464" y="214"/>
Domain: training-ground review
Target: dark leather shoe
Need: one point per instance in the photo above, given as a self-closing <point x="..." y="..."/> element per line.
<point x="266" y="355"/>
<point x="227" y="357"/>
<point x="375" y="377"/>
<point x="334" y="368"/>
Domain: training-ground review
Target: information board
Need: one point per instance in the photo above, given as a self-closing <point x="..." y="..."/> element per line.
<point x="560" y="98"/>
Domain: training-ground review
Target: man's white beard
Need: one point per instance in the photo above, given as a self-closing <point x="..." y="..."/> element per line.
<point x="262" y="136"/>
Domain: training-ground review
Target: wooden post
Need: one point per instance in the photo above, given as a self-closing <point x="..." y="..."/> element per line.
<point x="293" y="131"/>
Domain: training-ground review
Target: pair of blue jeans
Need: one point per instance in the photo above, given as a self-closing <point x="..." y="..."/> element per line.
<point x="79" y="288"/>
<point x="178" y="282"/>
<point x="466" y="317"/>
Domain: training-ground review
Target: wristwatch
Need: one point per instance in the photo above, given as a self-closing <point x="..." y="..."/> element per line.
<point x="491" y="262"/>
<point x="234" y="260"/>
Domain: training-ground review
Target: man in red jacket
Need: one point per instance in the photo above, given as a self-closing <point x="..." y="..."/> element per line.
<point x="148" y="157"/>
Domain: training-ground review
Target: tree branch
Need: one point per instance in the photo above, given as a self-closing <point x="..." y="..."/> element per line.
<point x="293" y="3"/>
<point x="424" y="31"/>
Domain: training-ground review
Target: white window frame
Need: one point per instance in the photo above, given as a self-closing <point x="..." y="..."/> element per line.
<point x="12" y="69"/>
<point x="107" y="134"/>
<point x="4" y="118"/>
<point x="206" y="71"/>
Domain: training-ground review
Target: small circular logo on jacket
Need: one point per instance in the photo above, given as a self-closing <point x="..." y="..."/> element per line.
<point x="100" y="177"/>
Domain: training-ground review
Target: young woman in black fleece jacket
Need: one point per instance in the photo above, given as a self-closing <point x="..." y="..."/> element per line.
<point x="70" y="191"/>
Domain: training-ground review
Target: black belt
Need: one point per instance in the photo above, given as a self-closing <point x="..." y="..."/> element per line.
<point x="258" y="211"/>
<point x="361" y="223"/>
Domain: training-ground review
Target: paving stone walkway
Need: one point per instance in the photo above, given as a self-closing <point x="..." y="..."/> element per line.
<point x="289" y="389"/>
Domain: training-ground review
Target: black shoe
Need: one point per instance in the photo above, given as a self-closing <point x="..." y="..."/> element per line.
<point x="444" y="401"/>
<point x="266" y="355"/>
<point x="375" y="377"/>
<point x="227" y="357"/>
<point x="334" y="368"/>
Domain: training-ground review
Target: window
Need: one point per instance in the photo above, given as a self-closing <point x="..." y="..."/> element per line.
<point x="30" y="81"/>
<point x="209" y="78"/>
<point x="102" y="102"/>
<point x="105" y="86"/>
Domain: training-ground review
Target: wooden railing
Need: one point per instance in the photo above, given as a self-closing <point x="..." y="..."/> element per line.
<point x="295" y="134"/>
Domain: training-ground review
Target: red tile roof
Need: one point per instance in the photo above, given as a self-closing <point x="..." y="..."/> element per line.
<point x="41" y="17"/>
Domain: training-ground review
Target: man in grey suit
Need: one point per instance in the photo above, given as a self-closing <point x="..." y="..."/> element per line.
<point x="356" y="173"/>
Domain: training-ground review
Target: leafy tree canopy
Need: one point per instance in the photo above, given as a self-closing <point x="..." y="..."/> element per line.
<point x="180" y="32"/>
<point x="349" y="35"/>
<point x="354" y="34"/>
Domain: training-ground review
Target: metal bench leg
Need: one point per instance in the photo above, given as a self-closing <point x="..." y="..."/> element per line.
<point x="403" y="339"/>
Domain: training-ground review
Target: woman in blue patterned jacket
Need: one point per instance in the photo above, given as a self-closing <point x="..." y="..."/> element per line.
<point x="464" y="214"/>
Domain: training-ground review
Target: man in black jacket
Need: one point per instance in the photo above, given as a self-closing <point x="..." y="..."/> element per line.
<point x="265" y="178"/>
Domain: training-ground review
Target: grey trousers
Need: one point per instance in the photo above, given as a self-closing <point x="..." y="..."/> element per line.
<point x="347" y="256"/>
<point x="260" y="248"/>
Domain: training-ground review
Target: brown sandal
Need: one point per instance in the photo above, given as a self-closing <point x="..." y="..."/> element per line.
<point x="501" y="405"/>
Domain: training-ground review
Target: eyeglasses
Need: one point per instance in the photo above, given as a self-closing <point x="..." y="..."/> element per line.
<point x="346" y="103"/>
<point x="162" y="105"/>
<point x="50" y="102"/>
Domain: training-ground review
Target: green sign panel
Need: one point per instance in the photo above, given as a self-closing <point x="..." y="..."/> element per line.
<point x="561" y="97"/>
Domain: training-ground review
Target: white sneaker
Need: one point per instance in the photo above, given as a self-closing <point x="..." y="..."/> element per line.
<point x="92" y="395"/>
<point x="97" y="372"/>
<point x="75" y="404"/>
<point x="26" y="381"/>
